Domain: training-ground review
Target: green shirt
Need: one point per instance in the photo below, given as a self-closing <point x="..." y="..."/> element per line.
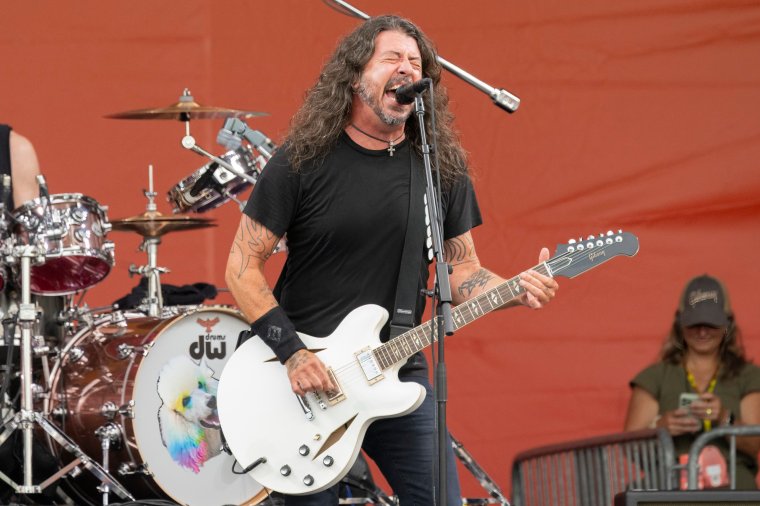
<point x="666" y="381"/>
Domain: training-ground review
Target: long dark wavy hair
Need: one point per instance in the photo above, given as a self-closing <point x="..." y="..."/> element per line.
<point x="732" y="356"/>
<point x="317" y="125"/>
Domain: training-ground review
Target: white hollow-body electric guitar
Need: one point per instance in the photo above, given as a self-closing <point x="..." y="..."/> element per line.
<point x="301" y="445"/>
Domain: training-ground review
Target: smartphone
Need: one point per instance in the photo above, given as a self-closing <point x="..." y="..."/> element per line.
<point x="686" y="398"/>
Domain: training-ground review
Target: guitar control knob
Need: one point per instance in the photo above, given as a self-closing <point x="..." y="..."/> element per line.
<point x="308" y="480"/>
<point x="328" y="461"/>
<point x="285" y="470"/>
<point x="303" y="450"/>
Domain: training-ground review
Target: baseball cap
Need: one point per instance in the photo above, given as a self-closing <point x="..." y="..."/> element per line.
<point x="704" y="302"/>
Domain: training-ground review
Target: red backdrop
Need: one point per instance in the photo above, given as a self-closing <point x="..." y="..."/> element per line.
<point x="640" y="115"/>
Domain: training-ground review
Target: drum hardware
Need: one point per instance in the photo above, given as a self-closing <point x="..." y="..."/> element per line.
<point x="214" y="184"/>
<point x="152" y="225"/>
<point x="125" y="351"/>
<point x="109" y="410"/>
<point x="109" y="435"/>
<point x="26" y="418"/>
<point x="128" y="468"/>
<point x="185" y="110"/>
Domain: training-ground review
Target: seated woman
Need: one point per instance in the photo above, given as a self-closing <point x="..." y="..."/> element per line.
<point x="702" y="356"/>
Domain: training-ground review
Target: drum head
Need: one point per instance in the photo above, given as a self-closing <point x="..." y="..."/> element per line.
<point x="176" y="427"/>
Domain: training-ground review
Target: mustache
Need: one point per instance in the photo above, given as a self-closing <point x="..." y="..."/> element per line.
<point x="397" y="81"/>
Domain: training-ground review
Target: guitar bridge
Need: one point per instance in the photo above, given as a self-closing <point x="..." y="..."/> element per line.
<point x="336" y="395"/>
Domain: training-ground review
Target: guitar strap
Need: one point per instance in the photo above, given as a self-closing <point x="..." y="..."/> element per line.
<point x="407" y="288"/>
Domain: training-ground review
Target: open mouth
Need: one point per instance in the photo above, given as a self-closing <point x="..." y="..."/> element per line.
<point x="211" y="421"/>
<point x="390" y="89"/>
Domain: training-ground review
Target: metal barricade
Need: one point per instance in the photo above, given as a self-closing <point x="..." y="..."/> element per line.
<point x="589" y="472"/>
<point x="703" y="439"/>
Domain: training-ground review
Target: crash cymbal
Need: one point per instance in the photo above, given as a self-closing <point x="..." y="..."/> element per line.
<point x="185" y="110"/>
<point x="155" y="224"/>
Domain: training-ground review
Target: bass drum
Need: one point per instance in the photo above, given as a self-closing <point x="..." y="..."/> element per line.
<point x="147" y="386"/>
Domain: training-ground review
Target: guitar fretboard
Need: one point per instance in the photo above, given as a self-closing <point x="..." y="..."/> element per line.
<point x="410" y="342"/>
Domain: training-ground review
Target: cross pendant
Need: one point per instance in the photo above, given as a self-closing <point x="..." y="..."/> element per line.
<point x="391" y="149"/>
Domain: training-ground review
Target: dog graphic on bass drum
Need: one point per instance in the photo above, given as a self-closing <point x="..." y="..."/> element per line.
<point x="187" y="417"/>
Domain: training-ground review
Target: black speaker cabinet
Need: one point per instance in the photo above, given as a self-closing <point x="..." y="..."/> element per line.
<point x="689" y="498"/>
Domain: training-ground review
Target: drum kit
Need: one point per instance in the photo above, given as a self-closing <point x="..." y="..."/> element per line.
<point x="127" y="395"/>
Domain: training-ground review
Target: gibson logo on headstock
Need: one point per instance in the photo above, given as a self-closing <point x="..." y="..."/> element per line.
<point x="596" y="254"/>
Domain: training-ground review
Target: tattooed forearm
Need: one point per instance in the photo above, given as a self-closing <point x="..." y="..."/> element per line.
<point x="479" y="279"/>
<point x="252" y="240"/>
<point x="459" y="249"/>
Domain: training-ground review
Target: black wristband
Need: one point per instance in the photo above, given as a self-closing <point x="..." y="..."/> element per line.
<point x="279" y="333"/>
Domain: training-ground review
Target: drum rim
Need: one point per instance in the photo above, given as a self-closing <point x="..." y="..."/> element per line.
<point x="63" y="197"/>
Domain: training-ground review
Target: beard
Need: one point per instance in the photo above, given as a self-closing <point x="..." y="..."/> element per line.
<point x="372" y="96"/>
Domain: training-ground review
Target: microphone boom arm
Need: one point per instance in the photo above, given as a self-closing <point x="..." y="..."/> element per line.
<point x="500" y="97"/>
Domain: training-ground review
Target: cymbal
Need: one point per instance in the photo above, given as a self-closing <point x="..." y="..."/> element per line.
<point x="155" y="224"/>
<point x="185" y="110"/>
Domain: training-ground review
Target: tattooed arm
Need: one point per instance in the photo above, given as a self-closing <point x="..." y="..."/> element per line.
<point x="470" y="279"/>
<point x="251" y="248"/>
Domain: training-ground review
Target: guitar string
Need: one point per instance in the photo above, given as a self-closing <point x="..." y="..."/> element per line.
<point x="351" y="373"/>
<point x="572" y="256"/>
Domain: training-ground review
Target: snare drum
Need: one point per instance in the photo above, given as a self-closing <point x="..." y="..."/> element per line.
<point x="70" y="230"/>
<point x="149" y="385"/>
<point x="211" y="185"/>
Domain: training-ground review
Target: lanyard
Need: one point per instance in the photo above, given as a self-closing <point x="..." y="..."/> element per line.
<point x="710" y="389"/>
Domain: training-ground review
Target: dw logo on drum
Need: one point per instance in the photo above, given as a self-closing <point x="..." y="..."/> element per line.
<point x="197" y="350"/>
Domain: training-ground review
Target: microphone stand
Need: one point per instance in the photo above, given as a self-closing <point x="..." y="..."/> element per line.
<point x="442" y="292"/>
<point x="500" y="96"/>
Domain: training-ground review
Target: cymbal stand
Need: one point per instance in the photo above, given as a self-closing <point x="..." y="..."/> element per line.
<point x="188" y="142"/>
<point x="154" y="299"/>
<point x="27" y="417"/>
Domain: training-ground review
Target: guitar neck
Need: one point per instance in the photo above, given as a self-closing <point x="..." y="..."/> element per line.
<point x="410" y="342"/>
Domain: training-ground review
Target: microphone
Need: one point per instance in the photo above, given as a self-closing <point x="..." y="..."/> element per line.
<point x="407" y="93"/>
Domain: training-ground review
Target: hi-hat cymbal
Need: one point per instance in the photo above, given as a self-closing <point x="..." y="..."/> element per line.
<point x="155" y="224"/>
<point x="185" y="110"/>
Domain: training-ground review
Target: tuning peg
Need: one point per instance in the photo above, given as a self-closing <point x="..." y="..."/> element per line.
<point x="590" y="238"/>
<point x="609" y="232"/>
<point x="571" y="241"/>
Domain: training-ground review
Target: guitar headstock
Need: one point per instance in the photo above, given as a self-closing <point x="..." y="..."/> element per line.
<point x="579" y="255"/>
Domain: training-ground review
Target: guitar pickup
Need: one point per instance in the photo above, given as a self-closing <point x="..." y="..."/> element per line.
<point x="369" y="365"/>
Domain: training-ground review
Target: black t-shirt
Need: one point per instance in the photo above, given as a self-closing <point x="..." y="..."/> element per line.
<point x="345" y="220"/>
